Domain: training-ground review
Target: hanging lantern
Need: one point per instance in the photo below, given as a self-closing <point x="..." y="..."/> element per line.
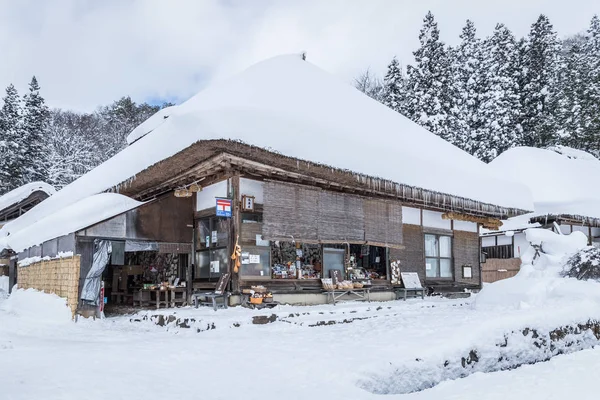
<point x="182" y="193"/>
<point x="194" y="188"/>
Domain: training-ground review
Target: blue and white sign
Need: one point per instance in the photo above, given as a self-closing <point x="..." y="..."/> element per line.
<point x="224" y="208"/>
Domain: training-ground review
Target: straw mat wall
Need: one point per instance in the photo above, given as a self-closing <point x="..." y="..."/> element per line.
<point x="59" y="276"/>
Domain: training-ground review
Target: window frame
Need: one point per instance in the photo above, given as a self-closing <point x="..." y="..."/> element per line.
<point x="438" y="258"/>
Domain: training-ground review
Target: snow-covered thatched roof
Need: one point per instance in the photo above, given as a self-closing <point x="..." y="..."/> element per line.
<point x="289" y="106"/>
<point x="563" y="181"/>
<point x="21" y="193"/>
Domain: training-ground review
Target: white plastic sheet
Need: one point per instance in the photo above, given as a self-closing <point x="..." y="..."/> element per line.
<point x="91" y="286"/>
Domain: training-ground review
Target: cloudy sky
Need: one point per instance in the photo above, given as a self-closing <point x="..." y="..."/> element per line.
<point x="86" y="53"/>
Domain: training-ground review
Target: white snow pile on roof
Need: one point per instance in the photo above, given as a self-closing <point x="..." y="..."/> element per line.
<point x="562" y="183"/>
<point x="539" y="282"/>
<point x="150" y="124"/>
<point x="22" y="192"/>
<point x="79" y="215"/>
<point x="517" y="223"/>
<point x="288" y="105"/>
<point x="572" y="153"/>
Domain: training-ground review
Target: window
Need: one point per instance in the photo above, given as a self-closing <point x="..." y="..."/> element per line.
<point x="256" y="263"/>
<point x="502" y="251"/>
<point x="438" y="256"/>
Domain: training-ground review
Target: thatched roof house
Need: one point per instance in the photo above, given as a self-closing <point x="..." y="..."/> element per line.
<point x="286" y="122"/>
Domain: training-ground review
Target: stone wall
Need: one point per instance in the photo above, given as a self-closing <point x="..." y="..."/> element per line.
<point x="59" y="276"/>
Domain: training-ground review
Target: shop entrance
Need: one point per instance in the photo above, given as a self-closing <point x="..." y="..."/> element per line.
<point x="212" y="245"/>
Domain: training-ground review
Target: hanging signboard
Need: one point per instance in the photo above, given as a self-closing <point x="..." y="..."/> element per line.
<point x="224" y="208"/>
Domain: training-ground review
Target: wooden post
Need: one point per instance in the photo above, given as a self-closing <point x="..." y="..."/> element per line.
<point x="192" y="263"/>
<point x="235" y="226"/>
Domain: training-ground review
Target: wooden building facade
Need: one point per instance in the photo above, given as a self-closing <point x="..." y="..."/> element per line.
<point x="294" y="220"/>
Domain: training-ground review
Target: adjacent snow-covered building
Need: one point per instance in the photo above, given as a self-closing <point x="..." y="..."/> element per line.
<point x="303" y="172"/>
<point x="22" y="199"/>
<point x="566" y="198"/>
<point x="17" y="202"/>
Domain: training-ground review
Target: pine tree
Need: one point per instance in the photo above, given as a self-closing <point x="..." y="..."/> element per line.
<point x="590" y="103"/>
<point x="573" y="78"/>
<point x="12" y="149"/>
<point x="429" y="100"/>
<point x="499" y="101"/>
<point x="466" y="69"/>
<point x="393" y="87"/>
<point x="35" y="125"/>
<point x="540" y="94"/>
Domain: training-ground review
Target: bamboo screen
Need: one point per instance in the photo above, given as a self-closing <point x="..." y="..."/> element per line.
<point x="59" y="276"/>
<point x="290" y="211"/>
<point x="314" y="215"/>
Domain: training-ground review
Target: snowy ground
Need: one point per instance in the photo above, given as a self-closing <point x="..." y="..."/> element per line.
<point x="53" y="358"/>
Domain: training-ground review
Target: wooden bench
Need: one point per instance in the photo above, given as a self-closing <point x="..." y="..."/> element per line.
<point x="412" y="286"/>
<point x="404" y="293"/>
<point x="210" y="298"/>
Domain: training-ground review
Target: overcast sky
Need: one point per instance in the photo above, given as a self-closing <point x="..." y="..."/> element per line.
<point x="87" y="53"/>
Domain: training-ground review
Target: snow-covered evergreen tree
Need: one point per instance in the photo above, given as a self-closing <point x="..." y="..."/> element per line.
<point x="540" y="90"/>
<point x="499" y="101"/>
<point x="35" y="125"/>
<point x="590" y="104"/>
<point x="429" y="99"/>
<point x="12" y="149"/>
<point x="466" y="70"/>
<point x="573" y="81"/>
<point x="393" y="86"/>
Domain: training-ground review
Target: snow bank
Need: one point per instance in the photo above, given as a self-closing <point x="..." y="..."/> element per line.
<point x="31" y="304"/>
<point x="539" y="282"/>
<point x="22" y="192"/>
<point x="3" y="287"/>
<point x="278" y="102"/>
<point x="82" y="214"/>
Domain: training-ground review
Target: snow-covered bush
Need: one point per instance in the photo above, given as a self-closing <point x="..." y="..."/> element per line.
<point x="540" y="281"/>
<point x="584" y="265"/>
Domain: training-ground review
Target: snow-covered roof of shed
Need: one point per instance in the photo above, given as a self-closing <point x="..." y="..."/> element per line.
<point x="290" y="106"/>
<point x="22" y="192"/>
<point x="562" y="180"/>
<point x="77" y="216"/>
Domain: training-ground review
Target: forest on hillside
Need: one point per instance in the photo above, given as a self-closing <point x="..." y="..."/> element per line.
<point x="484" y="95"/>
<point x="58" y="146"/>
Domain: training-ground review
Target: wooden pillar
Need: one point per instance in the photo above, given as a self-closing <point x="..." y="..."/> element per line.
<point x="235" y="226"/>
<point x="192" y="263"/>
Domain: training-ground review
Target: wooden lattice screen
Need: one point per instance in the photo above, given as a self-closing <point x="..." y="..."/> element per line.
<point x="313" y="215"/>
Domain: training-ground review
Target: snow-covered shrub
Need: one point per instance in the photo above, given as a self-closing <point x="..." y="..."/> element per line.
<point x="584" y="265"/>
<point x="540" y="281"/>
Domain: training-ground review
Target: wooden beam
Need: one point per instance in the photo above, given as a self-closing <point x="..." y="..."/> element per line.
<point x="487" y="222"/>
